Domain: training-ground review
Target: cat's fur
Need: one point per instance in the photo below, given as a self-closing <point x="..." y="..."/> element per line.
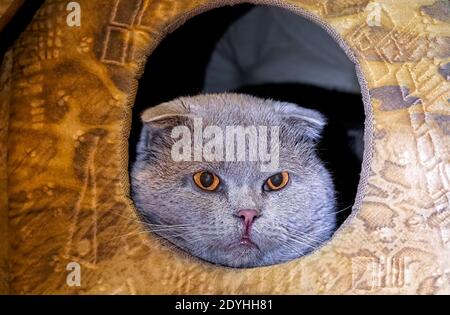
<point x="294" y="220"/>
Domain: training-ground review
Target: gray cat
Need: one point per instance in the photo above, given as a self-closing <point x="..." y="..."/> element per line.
<point x="230" y="212"/>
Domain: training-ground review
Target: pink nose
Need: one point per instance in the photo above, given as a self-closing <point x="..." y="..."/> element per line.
<point x="248" y="215"/>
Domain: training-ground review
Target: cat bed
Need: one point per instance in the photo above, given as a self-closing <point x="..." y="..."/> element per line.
<point x="66" y="97"/>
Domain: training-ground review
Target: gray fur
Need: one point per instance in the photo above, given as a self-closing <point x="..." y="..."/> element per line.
<point x="294" y="220"/>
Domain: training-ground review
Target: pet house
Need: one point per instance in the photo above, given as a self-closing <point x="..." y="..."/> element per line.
<point x="66" y="97"/>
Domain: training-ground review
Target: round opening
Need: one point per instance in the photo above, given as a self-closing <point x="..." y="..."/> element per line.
<point x="291" y="98"/>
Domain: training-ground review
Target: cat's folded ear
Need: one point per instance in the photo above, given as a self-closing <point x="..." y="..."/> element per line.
<point x="304" y="121"/>
<point x="166" y="113"/>
<point x="161" y="118"/>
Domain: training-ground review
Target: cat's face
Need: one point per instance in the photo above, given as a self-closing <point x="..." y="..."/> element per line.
<point x="228" y="212"/>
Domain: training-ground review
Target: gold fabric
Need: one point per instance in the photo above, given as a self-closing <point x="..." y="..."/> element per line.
<point x="69" y="102"/>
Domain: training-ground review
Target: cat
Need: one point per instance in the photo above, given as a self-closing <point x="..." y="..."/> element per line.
<point x="231" y="213"/>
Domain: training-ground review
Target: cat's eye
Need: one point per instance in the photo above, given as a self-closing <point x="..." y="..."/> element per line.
<point x="206" y="180"/>
<point x="277" y="181"/>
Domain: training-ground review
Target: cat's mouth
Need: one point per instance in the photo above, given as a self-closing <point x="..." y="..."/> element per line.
<point x="247" y="242"/>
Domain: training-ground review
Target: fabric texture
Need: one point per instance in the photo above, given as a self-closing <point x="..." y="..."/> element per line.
<point x="69" y="101"/>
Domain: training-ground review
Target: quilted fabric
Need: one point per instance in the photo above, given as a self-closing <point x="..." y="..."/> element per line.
<point x="69" y="98"/>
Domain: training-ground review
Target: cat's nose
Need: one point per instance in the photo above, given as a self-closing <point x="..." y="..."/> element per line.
<point x="248" y="215"/>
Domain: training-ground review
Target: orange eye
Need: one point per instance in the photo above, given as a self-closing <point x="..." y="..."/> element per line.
<point x="206" y="180"/>
<point x="277" y="181"/>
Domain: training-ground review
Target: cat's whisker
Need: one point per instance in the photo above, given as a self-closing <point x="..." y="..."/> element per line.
<point x="304" y="240"/>
<point x="147" y="230"/>
<point x="130" y="218"/>
<point x="291" y="248"/>
<point x="290" y="245"/>
<point x="308" y="235"/>
<point x="295" y="251"/>
<point x="305" y="244"/>
<point x="304" y="235"/>
<point x="128" y="234"/>
<point x="204" y="249"/>
<point x="167" y="225"/>
<point x="148" y="224"/>
<point x="339" y="211"/>
<point x="168" y="229"/>
<point x="168" y="244"/>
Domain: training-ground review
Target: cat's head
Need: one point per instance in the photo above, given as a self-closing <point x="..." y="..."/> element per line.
<point x="230" y="212"/>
